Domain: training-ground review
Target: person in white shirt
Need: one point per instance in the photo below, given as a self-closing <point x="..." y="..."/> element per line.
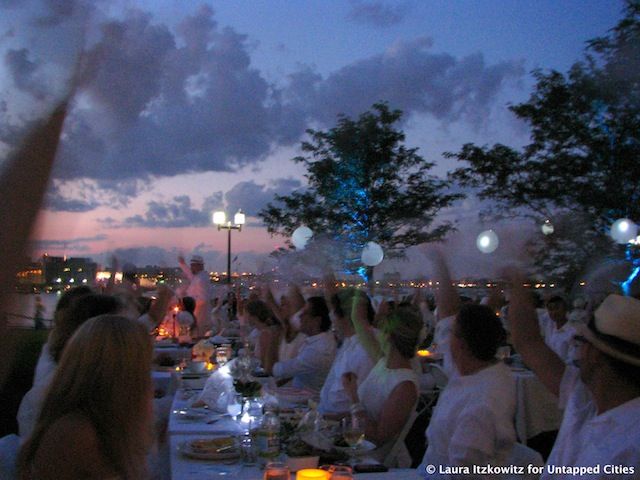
<point x="310" y="367"/>
<point x="555" y="327"/>
<point x="186" y="321"/>
<point x="472" y="424"/>
<point x="351" y="357"/>
<point x="600" y="429"/>
<point x="200" y="289"/>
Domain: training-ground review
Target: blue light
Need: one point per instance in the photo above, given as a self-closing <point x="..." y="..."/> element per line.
<point x="626" y="285"/>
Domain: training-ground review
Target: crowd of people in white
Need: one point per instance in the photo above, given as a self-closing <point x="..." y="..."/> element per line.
<point x="357" y="355"/>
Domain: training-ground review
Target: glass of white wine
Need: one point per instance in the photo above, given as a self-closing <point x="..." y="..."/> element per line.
<point x="353" y="434"/>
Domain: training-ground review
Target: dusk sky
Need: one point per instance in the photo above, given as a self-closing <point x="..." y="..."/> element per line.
<point x="190" y="106"/>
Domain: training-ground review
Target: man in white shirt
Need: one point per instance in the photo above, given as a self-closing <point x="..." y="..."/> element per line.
<point x="600" y="431"/>
<point x="351" y="357"/>
<point x="472" y="423"/>
<point x="310" y="367"/>
<point x="200" y="290"/>
<point x="555" y="327"/>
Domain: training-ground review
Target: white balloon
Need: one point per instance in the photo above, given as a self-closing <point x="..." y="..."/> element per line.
<point x="487" y="241"/>
<point x="623" y="230"/>
<point x="301" y="237"/>
<point x="547" y="227"/>
<point x="372" y="254"/>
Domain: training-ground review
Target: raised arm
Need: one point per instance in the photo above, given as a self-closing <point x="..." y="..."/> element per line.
<point x="525" y="334"/>
<point x="160" y="306"/>
<point x="295" y="297"/>
<point x="365" y="333"/>
<point x="329" y="288"/>
<point x="23" y="184"/>
<point x="266" y="295"/>
<point x="185" y="268"/>
<point x="447" y="299"/>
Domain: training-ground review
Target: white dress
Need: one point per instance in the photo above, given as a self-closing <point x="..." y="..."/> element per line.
<point x="376" y="389"/>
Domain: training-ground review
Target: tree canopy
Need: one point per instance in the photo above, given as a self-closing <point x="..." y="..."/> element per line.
<point x="364" y="185"/>
<point x="584" y="150"/>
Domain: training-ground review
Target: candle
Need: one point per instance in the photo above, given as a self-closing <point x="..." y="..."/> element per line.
<point x="424" y="353"/>
<point x="312" y="474"/>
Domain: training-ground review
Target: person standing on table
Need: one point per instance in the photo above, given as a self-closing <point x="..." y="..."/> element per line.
<point x="473" y="421"/>
<point x="310" y="367"/>
<point x="351" y="356"/>
<point x="200" y="289"/>
<point x="600" y="396"/>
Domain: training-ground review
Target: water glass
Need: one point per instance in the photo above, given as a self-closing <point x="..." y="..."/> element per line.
<point x="341" y="472"/>
<point x="276" y="471"/>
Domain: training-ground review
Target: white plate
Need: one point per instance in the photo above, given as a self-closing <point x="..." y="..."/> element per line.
<point x="186" y="449"/>
<point x="191" y="414"/>
<point x="365" y="446"/>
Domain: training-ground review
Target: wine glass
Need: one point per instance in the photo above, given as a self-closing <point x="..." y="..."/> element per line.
<point x="353" y="433"/>
<point x="234" y="405"/>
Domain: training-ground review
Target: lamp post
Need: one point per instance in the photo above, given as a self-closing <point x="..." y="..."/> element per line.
<point x="220" y="219"/>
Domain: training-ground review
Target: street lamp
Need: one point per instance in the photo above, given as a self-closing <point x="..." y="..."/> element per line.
<point x="220" y="219"/>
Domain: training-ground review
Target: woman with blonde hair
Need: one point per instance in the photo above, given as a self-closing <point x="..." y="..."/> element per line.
<point x="386" y="399"/>
<point x="73" y="310"/>
<point x="96" y="420"/>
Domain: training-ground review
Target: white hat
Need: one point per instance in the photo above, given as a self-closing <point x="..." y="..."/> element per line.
<point x="616" y="328"/>
<point x="197" y="259"/>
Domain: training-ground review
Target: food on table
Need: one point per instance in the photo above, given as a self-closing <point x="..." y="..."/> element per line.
<point x="212" y="445"/>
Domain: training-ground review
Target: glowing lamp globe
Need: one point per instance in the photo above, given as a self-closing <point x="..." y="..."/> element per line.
<point x="487" y="241"/>
<point x="623" y="230"/>
<point x="372" y="254"/>
<point x="301" y="237"/>
<point x="547" y="227"/>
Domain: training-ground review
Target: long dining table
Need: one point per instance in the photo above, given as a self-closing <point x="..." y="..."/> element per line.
<point x="213" y="424"/>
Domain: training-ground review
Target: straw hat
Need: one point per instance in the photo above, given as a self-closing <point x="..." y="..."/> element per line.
<point x="615" y="330"/>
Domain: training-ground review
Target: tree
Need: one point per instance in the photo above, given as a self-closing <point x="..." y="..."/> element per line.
<point x="364" y="185"/>
<point x="585" y="132"/>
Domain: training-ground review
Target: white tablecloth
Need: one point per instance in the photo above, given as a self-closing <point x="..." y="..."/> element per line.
<point x="185" y="468"/>
<point x="536" y="408"/>
<point x="201" y="427"/>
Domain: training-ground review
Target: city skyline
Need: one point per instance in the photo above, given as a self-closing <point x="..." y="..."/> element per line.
<point x="194" y="106"/>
